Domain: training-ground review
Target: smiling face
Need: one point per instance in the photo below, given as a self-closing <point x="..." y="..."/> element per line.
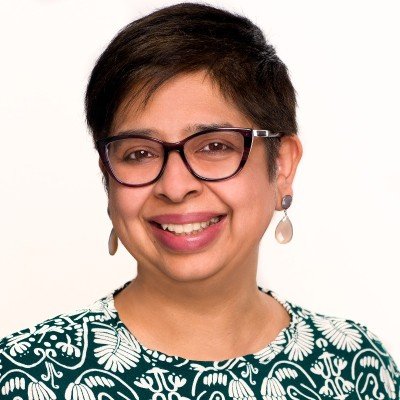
<point x="230" y="248"/>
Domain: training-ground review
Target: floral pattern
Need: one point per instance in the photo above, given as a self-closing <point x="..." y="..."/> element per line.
<point x="89" y="354"/>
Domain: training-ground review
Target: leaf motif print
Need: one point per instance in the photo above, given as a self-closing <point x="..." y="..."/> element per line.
<point x="39" y="391"/>
<point x="117" y="352"/>
<point x="92" y="381"/>
<point x="87" y="356"/>
<point x="301" y="344"/>
<point x="387" y="381"/>
<point x="269" y="352"/>
<point x="79" y="391"/>
<point x="129" y="339"/>
<point x="285" y="372"/>
<point x="272" y="389"/>
<point x="12" y="384"/>
<point x="369" y="361"/>
<point x="239" y="390"/>
<point x="389" y="372"/>
<point x="215" y="377"/>
<point x="339" y="332"/>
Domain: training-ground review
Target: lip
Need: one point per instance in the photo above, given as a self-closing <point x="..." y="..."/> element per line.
<point x="185" y="218"/>
<point x="188" y="243"/>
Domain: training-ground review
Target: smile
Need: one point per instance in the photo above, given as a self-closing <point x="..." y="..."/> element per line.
<point x="188" y="237"/>
<point x="188" y="229"/>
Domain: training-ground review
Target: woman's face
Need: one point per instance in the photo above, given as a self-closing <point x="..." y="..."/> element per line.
<point x="247" y="199"/>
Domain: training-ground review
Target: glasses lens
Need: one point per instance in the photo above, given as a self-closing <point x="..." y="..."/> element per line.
<point x="135" y="160"/>
<point x="212" y="155"/>
<point x="216" y="154"/>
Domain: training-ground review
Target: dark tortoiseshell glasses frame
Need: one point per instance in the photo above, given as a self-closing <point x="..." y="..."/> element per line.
<point x="247" y="133"/>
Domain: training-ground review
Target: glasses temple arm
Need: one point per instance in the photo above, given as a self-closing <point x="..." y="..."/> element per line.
<point x="265" y="133"/>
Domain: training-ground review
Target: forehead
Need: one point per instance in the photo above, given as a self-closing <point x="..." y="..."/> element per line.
<point x="183" y="105"/>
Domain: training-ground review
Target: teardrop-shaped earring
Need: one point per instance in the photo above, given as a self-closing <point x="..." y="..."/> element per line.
<point x="284" y="230"/>
<point x="112" y="242"/>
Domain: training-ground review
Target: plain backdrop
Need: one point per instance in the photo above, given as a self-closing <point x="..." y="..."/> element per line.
<point x="343" y="59"/>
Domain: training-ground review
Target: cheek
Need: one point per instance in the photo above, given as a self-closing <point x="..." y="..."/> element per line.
<point x="250" y="198"/>
<point x="126" y="203"/>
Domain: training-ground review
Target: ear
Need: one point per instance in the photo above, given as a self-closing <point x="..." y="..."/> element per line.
<point x="290" y="153"/>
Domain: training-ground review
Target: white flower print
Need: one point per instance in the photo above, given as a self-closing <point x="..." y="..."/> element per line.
<point x="339" y="332"/>
<point x="39" y="391"/>
<point x="164" y="385"/>
<point x="68" y="347"/>
<point x="18" y="344"/>
<point x="301" y="343"/>
<point x="79" y="391"/>
<point x="330" y="368"/>
<point x="91" y="355"/>
<point x="269" y="352"/>
<point x="19" y="348"/>
<point x="118" y="352"/>
<point x="272" y="389"/>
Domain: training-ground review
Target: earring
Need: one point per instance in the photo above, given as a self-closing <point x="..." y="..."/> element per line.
<point x="112" y="242"/>
<point x="284" y="230"/>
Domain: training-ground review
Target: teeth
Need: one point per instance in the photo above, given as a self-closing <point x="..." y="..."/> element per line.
<point x="189" y="228"/>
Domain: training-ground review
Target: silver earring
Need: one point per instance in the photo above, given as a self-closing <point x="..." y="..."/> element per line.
<point x="284" y="230"/>
<point x="112" y="242"/>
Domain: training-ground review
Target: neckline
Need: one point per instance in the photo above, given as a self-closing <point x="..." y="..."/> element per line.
<point x="276" y="345"/>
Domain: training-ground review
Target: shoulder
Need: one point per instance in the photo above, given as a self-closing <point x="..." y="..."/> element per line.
<point x="347" y="348"/>
<point x="32" y="357"/>
<point x="68" y="322"/>
<point x="344" y="334"/>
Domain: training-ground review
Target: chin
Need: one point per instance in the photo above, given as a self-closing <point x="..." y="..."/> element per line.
<point x="187" y="272"/>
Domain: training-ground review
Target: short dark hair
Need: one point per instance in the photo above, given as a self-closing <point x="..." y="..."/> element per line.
<point x="189" y="37"/>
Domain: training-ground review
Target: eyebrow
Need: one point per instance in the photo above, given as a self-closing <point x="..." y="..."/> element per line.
<point x="188" y="130"/>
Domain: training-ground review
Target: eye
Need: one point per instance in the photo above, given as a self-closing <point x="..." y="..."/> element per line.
<point x="215" y="147"/>
<point x="138" y="155"/>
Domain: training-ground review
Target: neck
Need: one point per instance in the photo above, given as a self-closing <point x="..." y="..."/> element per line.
<point x="233" y="286"/>
<point x="221" y="312"/>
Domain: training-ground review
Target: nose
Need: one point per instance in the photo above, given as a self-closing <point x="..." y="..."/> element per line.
<point x="177" y="182"/>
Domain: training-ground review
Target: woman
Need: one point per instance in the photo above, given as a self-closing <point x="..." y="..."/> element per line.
<point x="193" y="115"/>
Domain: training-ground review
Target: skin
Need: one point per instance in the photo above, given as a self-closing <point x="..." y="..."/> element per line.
<point x="202" y="305"/>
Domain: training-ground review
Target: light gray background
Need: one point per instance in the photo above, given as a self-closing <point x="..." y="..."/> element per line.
<point x="344" y="257"/>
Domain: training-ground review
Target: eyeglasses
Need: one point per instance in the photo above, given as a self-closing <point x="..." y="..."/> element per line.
<point x="212" y="155"/>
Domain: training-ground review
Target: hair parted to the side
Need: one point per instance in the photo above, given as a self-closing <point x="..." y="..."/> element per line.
<point x="189" y="37"/>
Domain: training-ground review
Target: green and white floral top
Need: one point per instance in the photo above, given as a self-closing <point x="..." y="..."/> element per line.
<point x="89" y="354"/>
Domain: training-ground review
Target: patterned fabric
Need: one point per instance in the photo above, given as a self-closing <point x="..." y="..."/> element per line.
<point x="89" y="354"/>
